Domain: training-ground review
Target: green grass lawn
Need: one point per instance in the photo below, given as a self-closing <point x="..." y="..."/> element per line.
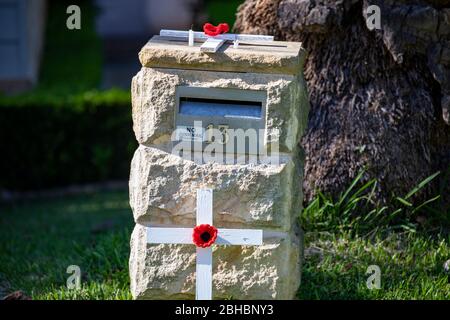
<point x="40" y="239"/>
<point x="411" y="265"/>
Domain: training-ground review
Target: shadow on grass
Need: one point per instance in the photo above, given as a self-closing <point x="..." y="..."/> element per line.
<point x="330" y="285"/>
<point x="411" y="266"/>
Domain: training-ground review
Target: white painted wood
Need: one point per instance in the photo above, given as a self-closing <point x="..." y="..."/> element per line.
<point x="203" y="289"/>
<point x="191" y="38"/>
<point x="204" y="255"/>
<point x="212" y="45"/>
<point x="205" y="206"/>
<point x="226" y="36"/>
<point x="169" y="235"/>
<point x="248" y="237"/>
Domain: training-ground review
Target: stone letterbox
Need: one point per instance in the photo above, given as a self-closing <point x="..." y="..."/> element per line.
<point x="180" y="96"/>
<point x="222" y="109"/>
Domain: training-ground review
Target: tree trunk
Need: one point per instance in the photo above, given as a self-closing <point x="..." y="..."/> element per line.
<point x="378" y="98"/>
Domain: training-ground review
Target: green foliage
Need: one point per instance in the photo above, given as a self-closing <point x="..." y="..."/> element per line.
<point x="222" y="11"/>
<point x="77" y="101"/>
<point x="355" y="210"/>
<point x="345" y="236"/>
<point x="65" y="131"/>
<point x="39" y="240"/>
<point x="88" y="139"/>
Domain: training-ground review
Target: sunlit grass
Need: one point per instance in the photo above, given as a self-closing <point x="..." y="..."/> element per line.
<point x="39" y="240"/>
<point x="344" y="236"/>
<point x="411" y="264"/>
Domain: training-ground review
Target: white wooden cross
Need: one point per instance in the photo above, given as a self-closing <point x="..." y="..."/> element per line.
<point x="212" y="44"/>
<point x="204" y="255"/>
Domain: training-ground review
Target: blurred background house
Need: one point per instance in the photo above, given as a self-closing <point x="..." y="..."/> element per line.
<point x="22" y="25"/>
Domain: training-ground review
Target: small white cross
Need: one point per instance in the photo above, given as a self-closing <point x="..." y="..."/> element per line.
<point x="212" y="44"/>
<point x="204" y="255"/>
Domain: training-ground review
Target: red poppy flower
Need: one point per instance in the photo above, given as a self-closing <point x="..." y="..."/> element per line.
<point x="211" y="30"/>
<point x="204" y="235"/>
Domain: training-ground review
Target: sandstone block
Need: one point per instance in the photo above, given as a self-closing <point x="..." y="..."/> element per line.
<point x="154" y="101"/>
<point x="275" y="57"/>
<point x="270" y="271"/>
<point x="163" y="191"/>
<point x="262" y="194"/>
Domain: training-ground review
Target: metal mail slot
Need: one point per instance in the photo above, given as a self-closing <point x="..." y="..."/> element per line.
<point x="235" y="113"/>
<point x="220" y="108"/>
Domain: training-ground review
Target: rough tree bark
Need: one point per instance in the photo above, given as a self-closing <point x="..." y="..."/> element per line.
<point x="379" y="99"/>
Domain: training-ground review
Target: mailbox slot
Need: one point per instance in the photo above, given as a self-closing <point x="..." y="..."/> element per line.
<point x="222" y="109"/>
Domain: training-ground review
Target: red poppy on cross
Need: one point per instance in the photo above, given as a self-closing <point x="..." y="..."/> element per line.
<point x="203" y="236"/>
<point x="213" y="31"/>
